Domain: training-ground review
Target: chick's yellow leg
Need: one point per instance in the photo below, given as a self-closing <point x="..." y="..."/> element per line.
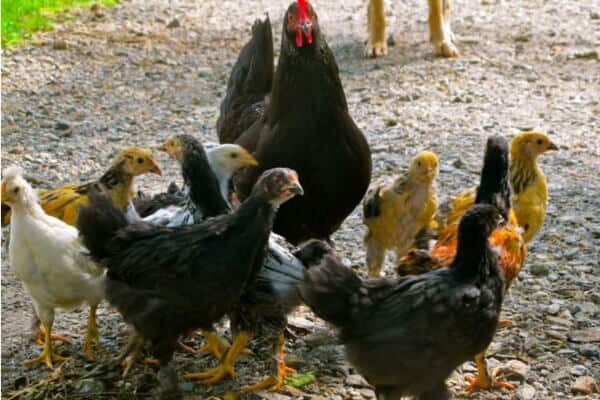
<point x="225" y="367"/>
<point x="273" y="383"/>
<point x="483" y="381"/>
<point x="47" y="356"/>
<point x="376" y="44"/>
<point x="92" y="336"/>
<point x="40" y="338"/>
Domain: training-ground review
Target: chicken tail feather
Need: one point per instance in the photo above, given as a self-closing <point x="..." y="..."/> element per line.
<point x="332" y="290"/>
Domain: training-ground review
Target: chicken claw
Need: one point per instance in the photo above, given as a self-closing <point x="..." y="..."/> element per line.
<point x="225" y="367"/>
<point x="214" y="344"/>
<point x="482" y="380"/>
<point x="47" y="355"/>
<point x="273" y="383"/>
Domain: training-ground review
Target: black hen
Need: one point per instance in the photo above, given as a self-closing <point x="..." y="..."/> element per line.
<point x="249" y="84"/>
<point x="306" y="126"/>
<point x="427" y="324"/>
<point x="168" y="281"/>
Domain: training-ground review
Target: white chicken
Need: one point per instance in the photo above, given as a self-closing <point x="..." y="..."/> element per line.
<point x="46" y="254"/>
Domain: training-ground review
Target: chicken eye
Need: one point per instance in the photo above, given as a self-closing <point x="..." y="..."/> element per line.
<point x="418" y="163"/>
<point x="540" y="141"/>
<point x="140" y="160"/>
<point x="233" y="155"/>
<point x="16" y="190"/>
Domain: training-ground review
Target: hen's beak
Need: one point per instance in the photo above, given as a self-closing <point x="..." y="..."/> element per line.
<point x="248" y="159"/>
<point x="155" y="168"/>
<point x="552" y="146"/>
<point x="297" y="189"/>
<point x="306" y="27"/>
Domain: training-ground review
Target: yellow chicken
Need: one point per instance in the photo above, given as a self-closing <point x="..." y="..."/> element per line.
<point x="64" y="202"/>
<point x="394" y="213"/>
<point x="530" y="190"/>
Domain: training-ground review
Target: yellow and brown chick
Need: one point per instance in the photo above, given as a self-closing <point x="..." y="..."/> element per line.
<point x="530" y="190"/>
<point x="394" y="213"/>
<point x="64" y="202"/>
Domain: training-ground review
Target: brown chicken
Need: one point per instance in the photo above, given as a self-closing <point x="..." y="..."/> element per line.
<point x="507" y="240"/>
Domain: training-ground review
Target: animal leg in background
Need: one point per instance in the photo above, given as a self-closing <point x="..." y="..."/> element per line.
<point x="440" y="33"/>
<point x="376" y="44"/>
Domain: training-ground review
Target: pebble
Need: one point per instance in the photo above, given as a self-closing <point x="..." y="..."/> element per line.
<point x="584" y="385"/>
<point x="539" y="269"/>
<point x="357" y="381"/>
<point x="174" y="23"/>
<point x="526" y="392"/>
<point x="553" y="309"/>
<point x="579" y="370"/>
<point x="91" y="386"/>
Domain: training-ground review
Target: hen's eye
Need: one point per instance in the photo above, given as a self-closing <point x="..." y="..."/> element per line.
<point x="16" y="190"/>
<point x="140" y="160"/>
<point x="540" y="141"/>
<point x="233" y="155"/>
<point x="418" y="163"/>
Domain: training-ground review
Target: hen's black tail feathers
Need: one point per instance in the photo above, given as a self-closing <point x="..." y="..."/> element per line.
<point x="494" y="186"/>
<point x="331" y="290"/>
<point x="98" y="222"/>
<point x="249" y="83"/>
<point x="283" y="272"/>
<point x="146" y="205"/>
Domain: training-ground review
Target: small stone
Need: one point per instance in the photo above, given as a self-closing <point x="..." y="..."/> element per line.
<point x="526" y="392"/>
<point x="586" y="55"/>
<point x="91" y="386"/>
<point x="595" y="15"/>
<point x="174" y="23"/>
<point x="584" y="385"/>
<point x="61" y="126"/>
<point x="589" y="335"/>
<point x="513" y="369"/>
<point x="458" y="163"/>
<point x="357" y="381"/>
<point x="204" y="72"/>
<point x="553" y="309"/>
<point x="579" y="370"/>
<point x="391" y="122"/>
<point x="539" y="269"/>
<point x="391" y="41"/>
<point x="59" y="45"/>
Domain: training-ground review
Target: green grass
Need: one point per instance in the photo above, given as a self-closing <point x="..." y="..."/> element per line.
<point x="21" y="18"/>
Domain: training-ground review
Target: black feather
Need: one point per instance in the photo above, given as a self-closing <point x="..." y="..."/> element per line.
<point x="428" y="324"/>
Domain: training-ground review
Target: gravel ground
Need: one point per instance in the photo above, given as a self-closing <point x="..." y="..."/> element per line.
<point x="132" y="74"/>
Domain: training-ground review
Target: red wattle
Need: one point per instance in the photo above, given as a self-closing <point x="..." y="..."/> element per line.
<point x="299" y="38"/>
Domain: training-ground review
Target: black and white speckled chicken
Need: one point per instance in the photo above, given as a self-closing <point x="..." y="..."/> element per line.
<point x="427" y="324"/>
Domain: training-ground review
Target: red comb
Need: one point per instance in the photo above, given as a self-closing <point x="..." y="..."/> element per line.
<point x="302" y="9"/>
<point x="302" y="15"/>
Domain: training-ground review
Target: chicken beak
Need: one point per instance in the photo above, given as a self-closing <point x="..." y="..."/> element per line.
<point x="297" y="189"/>
<point x="306" y="27"/>
<point x="552" y="146"/>
<point x="155" y="168"/>
<point x="248" y="159"/>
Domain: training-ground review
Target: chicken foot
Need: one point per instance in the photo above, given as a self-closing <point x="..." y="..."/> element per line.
<point x="483" y="379"/>
<point x="92" y="336"/>
<point x="273" y="383"/>
<point x="225" y="367"/>
<point x="47" y="356"/>
<point x="130" y="353"/>
<point x="38" y="333"/>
